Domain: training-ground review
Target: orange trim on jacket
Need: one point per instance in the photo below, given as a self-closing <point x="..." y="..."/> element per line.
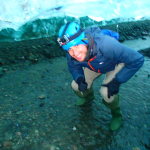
<point x="92" y="66"/>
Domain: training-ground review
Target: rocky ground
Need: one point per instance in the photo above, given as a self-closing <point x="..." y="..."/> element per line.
<point x="38" y="111"/>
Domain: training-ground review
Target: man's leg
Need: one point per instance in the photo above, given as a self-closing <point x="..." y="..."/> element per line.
<point x="88" y="95"/>
<point x="113" y="102"/>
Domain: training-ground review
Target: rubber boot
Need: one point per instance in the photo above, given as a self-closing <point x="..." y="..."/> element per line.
<point x="116" y="120"/>
<point x="84" y="97"/>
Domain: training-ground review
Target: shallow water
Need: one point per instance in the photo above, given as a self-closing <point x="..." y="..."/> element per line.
<point x="38" y="111"/>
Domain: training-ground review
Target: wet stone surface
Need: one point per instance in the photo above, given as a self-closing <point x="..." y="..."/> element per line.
<point x="38" y="111"/>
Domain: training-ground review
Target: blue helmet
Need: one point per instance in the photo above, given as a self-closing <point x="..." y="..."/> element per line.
<point x="70" y="35"/>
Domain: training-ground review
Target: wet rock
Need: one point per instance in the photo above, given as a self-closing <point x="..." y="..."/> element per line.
<point x="2" y="62"/>
<point x="19" y="112"/>
<point x="122" y="39"/>
<point x="52" y="147"/>
<point x="136" y="75"/>
<point x="144" y="33"/>
<point x="46" y="146"/>
<point x="145" y="52"/>
<point x="41" y="104"/>
<point x="136" y="148"/>
<point x="8" y="135"/>
<point x="18" y="133"/>
<point x="130" y="38"/>
<point x="25" y="82"/>
<point x="42" y="96"/>
<point x="33" y="58"/>
<point x="5" y="69"/>
<point x="34" y="47"/>
<point x="1" y="145"/>
<point x="143" y="38"/>
<point x="36" y="132"/>
<point x="66" y="84"/>
<point x="147" y="146"/>
<point x="1" y="71"/>
<point x="74" y="128"/>
<point x="7" y="144"/>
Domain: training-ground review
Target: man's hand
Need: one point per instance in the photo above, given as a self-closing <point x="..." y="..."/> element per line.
<point x="113" y="87"/>
<point x="82" y="85"/>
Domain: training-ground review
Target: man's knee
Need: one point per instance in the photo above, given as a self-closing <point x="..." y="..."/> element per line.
<point x="104" y="94"/>
<point x="74" y="86"/>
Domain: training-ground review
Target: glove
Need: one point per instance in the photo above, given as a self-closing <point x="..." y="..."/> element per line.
<point x="113" y="87"/>
<point x="82" y="85"/>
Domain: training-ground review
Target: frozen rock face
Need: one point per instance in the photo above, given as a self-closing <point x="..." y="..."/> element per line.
<point x="36" y="19"/>
<point x="37" y="46"/>
<point x="49" y="28"/>
<point x="18" y="13"/>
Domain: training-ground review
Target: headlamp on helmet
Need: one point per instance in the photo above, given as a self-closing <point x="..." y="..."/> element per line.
<point x="70" y="35"/>
<point x="63" y="40"/>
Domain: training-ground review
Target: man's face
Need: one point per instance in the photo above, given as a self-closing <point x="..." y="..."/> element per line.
<point x="78" y="52"/>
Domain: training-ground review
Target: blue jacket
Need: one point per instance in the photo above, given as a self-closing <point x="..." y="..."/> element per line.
<point x="105" y="53"/>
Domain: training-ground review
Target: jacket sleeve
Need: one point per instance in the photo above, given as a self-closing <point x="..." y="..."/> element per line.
<point x="119" y="53"/>
<point x="76" y="70"/>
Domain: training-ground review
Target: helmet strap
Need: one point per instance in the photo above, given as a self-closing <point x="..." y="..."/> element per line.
<point x="75" y="35"/>
<point x="65" y="28"/>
